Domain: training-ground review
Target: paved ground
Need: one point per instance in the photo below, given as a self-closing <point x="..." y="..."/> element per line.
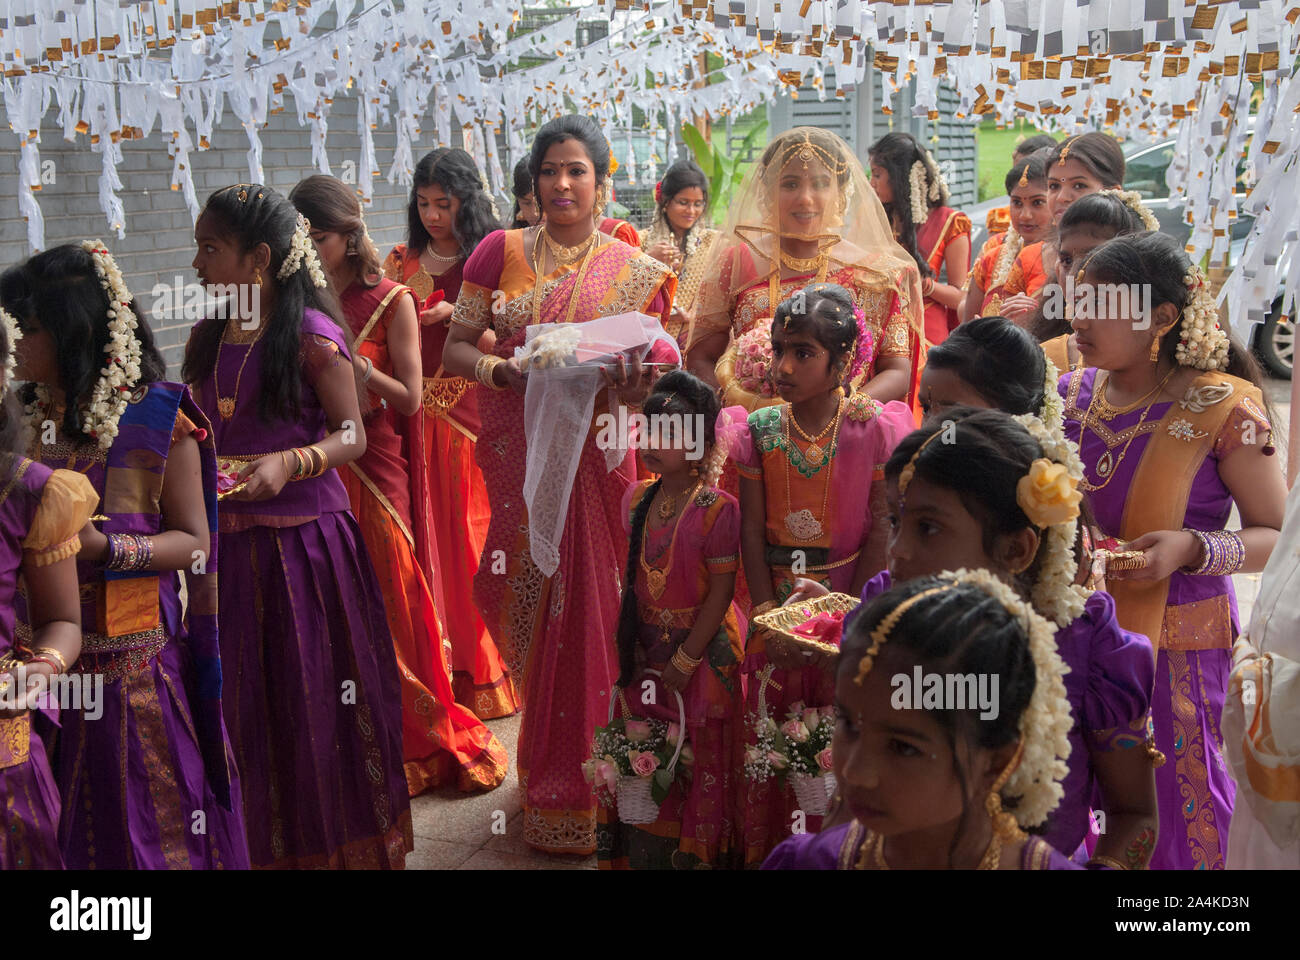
<point x="454" y="830"/>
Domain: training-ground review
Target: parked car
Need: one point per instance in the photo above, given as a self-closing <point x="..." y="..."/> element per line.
<point x="1145" y="168"/>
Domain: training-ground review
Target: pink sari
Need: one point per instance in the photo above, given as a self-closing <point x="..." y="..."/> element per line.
<point x="555" y="632"/>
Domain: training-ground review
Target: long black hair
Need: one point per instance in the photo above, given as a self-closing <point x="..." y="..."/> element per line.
<point x="827" y="313"/>
<point x="572" y="126"/>
<point x="521" y="186"/>
<point x="895" y="153"/>
<point x="58" y="291"/>
<point x="998" y="360"/>
<point x="1159" y="260"/>
<point x="961" y="631"/>
<point x="1105" y="214"/>
<point x="456" y="173"/>
<point x="682" y="175"/>
<point x="681" y="393"/>
<point x="263" y="216"/>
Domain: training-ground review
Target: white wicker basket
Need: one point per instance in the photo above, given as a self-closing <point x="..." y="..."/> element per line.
<point x="636" y="803"/>
<point x="813" y="793"/>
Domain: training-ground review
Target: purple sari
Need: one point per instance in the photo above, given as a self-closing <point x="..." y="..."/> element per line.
<point x="1193" y="788"/>
<point x="841" y="848"/>
<point x="29" y="800"/>
<point x="311" y="691"/>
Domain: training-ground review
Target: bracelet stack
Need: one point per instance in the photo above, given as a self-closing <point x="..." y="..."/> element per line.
<point x="128" y="552"/>
<point x="485" y="370"/>
<point x="1223" y="551"/>
<point x="305" y="463"/>
<point x="1104" y="861"/>
<point x="51" y="656"/>
<point x="684" y="662"/>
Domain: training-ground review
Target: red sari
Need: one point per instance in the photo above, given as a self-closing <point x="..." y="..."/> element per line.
<point x="556" y="632"/>
<point x="943" y="226"/>
<point x="442" y="742"/>
<point x="458" y="502"/>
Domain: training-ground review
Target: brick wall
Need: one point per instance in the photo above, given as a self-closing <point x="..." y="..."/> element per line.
<point x="159" y="244"/>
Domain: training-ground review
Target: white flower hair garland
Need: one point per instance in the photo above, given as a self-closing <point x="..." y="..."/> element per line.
<point x="1056" y="594"/>
<point x="13" y="334"/>
<point x="1046" y="721"/>
<point x="1012" y="244"/>
<point x="302" y="252"/>
<point x="1201" y="341"/>
<point x="916" y="192"/>
<point x="117" y="380"/>
<point x="1133" y="200"/>
<point x="938" y="192"/>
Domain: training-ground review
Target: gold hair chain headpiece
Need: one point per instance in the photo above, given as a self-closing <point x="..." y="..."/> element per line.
<point x="881" y="633"/>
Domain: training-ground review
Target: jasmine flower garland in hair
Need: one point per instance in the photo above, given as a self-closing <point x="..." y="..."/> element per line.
<point x="113" y="389"/>
<point x="1012" y="244"/>
<point x="1133" y="200"/>
<point x="917" y="192"/>
<point x="1201" y="341"/>
<point x="302" y="253"/>
<point x="13" y="334"/>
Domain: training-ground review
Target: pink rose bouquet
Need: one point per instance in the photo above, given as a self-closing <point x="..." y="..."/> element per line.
<point x="636" y="747"/>
<point x="754" y="361"/>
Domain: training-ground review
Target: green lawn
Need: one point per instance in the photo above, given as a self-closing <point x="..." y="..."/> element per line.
<point x="993" y="147"/>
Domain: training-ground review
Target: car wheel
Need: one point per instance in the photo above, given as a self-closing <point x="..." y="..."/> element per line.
<point x="1276" y="343"/>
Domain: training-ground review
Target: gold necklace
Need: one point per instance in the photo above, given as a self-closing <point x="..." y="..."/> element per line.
<point x="565" y="255"/>
<point x="667" y="504"/>
<point x="594" y="241"/>
<point x="656" y="577"/>
<point x="226" y="405"/>
<point x="814" y="454"/>
<point x="875" y="846"/>
<point x="435" y="255"/>
<point x="820" y="265"/>
<point x="1108" y="411"/>
<point x="801" y="523"/>
<point x="1107" y="466"/>
<point x="804" y="264"/>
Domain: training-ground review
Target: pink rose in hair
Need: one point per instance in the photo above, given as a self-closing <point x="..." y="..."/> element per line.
<point x="637" y="731"/>
<point x="643" y="764"/>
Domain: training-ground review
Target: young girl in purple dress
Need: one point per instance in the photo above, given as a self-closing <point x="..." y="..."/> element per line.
<point x="915" y="772"/>
<point x="311" y="693"/>
<point x="41" y="511"/>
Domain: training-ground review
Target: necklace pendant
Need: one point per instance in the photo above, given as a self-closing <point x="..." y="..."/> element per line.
<point x="656" y="580"/>
<point x="1105" y="465"/>
<point x="667" y="507"/>
<point x="803" y="525"/>
<point x="815" y="455"/>
<point x="226" y="407"/>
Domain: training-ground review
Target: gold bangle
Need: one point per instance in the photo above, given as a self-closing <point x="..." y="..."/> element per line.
<point x="51" y="652"/>
<point x="682" y="659"/>
<point x="1106" y="861"/>
<point x="324" y="460"/>
<point x="485" y="370"/>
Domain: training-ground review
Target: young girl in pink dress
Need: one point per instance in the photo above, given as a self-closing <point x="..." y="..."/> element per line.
<point x="677" y="619"/>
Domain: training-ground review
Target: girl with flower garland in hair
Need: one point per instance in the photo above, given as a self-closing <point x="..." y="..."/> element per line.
<point x="442" y="741"/>
<point x="41" y="511"/>
<point x="677" y="618"/>
<point x="811" y="498"/>
<point x="1000" y="496"/>
<point x="555" y="628"/>
<point x="909" y="184"/>
<point x="1173" y="431"/>
<point x="1076" y="167"/>
<point x="156" y="750"/>
<point x="914" y="778"/>
<point x="1031" y="221"/>
<point x="312" y="693"/>
<point x="449" y="214"/>
<point x="681" y="238"/>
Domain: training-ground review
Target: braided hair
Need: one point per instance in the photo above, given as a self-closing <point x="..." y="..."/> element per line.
<point x="959" y="630"/>
<point x="681" y="393"/>
<point x="263" y="216"/>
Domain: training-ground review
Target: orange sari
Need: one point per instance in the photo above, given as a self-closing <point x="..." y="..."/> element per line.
<point x="1027" y="275"/>
<point x="458" y="501"/>
<point x="943" y="226"/>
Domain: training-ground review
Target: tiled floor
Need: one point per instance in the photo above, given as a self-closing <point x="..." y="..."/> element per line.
<point x="456" y="830"/>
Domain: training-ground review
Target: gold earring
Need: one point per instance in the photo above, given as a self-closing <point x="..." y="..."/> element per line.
<point x="257" y="276"/>
<point x="1155" y="349"/>
<point x="1004" y="824"/>
<point x="602" y="197"/>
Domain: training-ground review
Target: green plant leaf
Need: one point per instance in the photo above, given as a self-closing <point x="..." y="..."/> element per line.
<point x="660" y="784"/>
<point x="702" y="150"/>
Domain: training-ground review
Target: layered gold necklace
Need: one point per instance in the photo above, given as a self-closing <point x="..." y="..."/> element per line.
<point x="1107" y="466"/>
<point x="563" y="256"/>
